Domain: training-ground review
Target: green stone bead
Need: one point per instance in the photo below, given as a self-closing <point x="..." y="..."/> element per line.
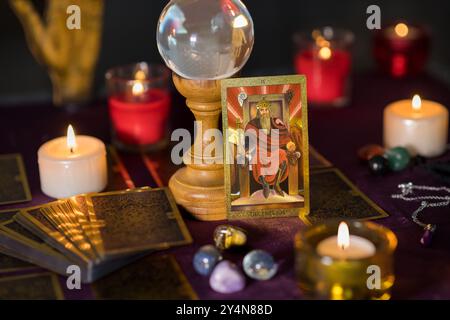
<point x="398" y="158"/>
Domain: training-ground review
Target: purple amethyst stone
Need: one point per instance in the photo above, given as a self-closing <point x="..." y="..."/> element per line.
<point x="427" y="236"/>
<point x="227" y="278"/>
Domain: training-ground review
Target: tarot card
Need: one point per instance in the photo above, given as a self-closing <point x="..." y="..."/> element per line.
<point x="138" y="220"/>
<point x="10" y="263"/>
<point x="266" y="146"/>
<point x="7" y="262"/>
<point x="18" y="243"/>
<point x="61" y="215"/>
<point x="33" y="220"/>
<point x="13" y="180"/>
<point x="333" y="196"/>
<point x="81" y="213"/>
<point x="6" y="215"/>
<point x="43" y="286"/>
<point x="152" y="277"/>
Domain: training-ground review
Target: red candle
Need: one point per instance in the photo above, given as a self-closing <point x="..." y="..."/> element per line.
<point x="401" y="50"/>
<point x="141" y="120"/>
<point x="327" y="71"/>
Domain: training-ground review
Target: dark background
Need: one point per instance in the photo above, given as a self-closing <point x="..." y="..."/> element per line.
<point x="129" y="36"/>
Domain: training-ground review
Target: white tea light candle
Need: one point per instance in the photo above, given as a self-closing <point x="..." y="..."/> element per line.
<point x="345" y="246"/>
<point x="72" y="165"/>
<point x="419" y="125"/>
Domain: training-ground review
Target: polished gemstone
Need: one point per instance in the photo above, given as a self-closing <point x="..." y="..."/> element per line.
<point x="227" y="278"/>
<point x="427" y="236"/>
<point x="398" y="158"/>
<point x="259" y="265"/>
<point x="378" y="165"/>
<point x="368" y="151"/>
<point x="226" y="236"/>
<point x="206" y="259"/>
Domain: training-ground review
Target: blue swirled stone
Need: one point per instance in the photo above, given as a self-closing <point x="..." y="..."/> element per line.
<point x="206" y="259"/>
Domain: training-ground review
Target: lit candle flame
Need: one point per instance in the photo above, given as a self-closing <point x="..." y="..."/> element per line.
<point x="416" y="102"/>
<point x="140" y="75"/>
<point x="71" y="140"/>
<point x="325" y="53"/>
<point x="343" y="237"/>
<point x="137" y="89"/>
<point x="401" y="30"/>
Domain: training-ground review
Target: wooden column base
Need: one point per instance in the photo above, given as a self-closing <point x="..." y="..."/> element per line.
<point x="199" y="187"/>
<point x="204" y="202"/>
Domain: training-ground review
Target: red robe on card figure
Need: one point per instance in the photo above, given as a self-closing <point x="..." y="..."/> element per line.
<point x="260" y="132"/>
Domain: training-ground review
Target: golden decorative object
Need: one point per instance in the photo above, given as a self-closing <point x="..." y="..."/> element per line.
<point x="70" y="55"/>
<point x="227" y="236"/>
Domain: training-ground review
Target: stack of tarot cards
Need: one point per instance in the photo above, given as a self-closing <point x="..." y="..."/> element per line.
<point x="96" y="232"/>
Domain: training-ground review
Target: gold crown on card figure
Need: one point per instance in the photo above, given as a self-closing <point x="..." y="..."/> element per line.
<point x="263" y="104"/>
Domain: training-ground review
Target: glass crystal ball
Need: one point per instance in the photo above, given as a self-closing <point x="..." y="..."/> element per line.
<point x="205" y="39"/>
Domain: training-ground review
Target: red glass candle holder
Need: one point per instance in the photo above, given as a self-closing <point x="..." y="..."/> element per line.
<point x="139" y="105"/>
<point x="324" y="57"/>
<point x="402" y="49"/>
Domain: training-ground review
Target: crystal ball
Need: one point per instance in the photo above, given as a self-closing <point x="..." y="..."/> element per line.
<point x="205" y="39"/>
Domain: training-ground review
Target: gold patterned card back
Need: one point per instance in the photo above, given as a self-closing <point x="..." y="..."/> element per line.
<point x="133" y="221"/>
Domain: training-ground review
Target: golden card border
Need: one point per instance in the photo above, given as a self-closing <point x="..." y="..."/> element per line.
<point x="264" y="81"/>
<point x="381" y="212"/>
<point x="22" y="175"/>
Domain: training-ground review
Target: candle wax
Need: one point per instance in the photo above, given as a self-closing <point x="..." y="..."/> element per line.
<point x="326" y="79"/>
<point x="142" y="121"/>
<point x="402" y="56"/>
<point x="359" y="248"/>
<point x="422" y="131"/>
<point x="64" y="173"/>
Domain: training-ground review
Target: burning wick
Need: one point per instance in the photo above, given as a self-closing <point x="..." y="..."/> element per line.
<point x="343" y="238"/>
<point x="416" y="103"/>
<point x="71" y="141"/>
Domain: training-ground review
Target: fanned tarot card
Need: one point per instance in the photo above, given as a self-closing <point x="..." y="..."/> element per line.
<point x="10" y="262"/>
<point x="266" y="146"/>
<point x="36" y="222"/>
<point x="13" y="180"/>
<point x="333" y="196"/>
<point x="137" y="220"/>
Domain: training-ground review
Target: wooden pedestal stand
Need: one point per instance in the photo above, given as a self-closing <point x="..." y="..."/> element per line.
<point x="199" y="187"/>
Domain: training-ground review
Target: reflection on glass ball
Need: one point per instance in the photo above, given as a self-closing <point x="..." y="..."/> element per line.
<point x="205" y="39"/>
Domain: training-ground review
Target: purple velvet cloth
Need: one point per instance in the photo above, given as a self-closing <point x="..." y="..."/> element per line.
<point x="336" y="133"/>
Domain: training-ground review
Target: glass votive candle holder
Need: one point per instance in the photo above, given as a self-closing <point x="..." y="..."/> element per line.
<point x="401" y="49"/>
<point x="327" y="269"/>
<point x="139" y="105"/>
<point x="324" y="57"/>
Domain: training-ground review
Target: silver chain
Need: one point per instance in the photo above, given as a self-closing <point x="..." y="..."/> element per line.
<point x="438" y="201"/>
